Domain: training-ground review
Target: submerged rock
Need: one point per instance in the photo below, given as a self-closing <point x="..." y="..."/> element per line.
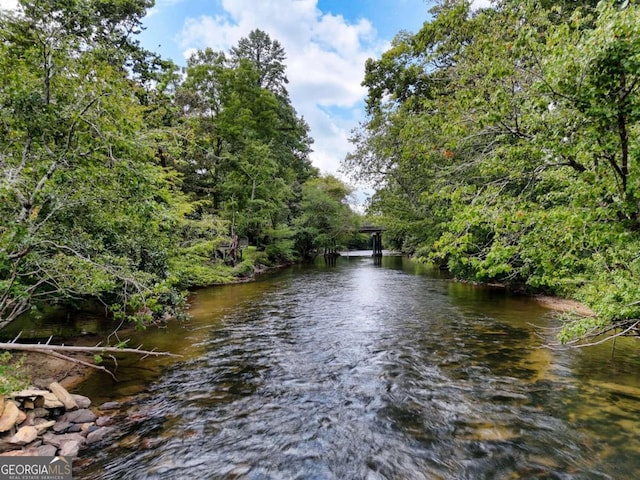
<point x="79" y="416"/>
<point x="99" y="434"/>
<point x="110" y="406"/>
<point x="104" y="420"/>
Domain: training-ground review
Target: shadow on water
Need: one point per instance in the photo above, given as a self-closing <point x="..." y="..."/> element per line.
<point x="364" y="371"/>
<point x="56" y="322"/>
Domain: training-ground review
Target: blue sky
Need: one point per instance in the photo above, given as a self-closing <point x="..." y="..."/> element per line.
<point x="327" y="43"/>
<point x="166" y="21"/>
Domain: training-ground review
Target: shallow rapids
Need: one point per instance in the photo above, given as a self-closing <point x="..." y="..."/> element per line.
<point x="359" y="371"/>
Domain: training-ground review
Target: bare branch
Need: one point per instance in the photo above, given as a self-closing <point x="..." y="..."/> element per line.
<point x="581" y="342"/>
<point x="79" y="362"/>
<point x="609" y="337"/>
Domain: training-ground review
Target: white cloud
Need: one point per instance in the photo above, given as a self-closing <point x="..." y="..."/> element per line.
<point x="477" y="4"/>
<point x="8" y="4"/>
<point x="325" y="61"/>
<point x="159" y="6"/>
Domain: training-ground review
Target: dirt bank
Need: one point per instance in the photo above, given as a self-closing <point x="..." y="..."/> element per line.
<point x="564" y="305"/>
<point x="44" y="369"/>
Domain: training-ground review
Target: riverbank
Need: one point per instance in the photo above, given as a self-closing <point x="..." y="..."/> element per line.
<point x="47" y="422"/>
<point x="564" y="305"/>
<point x="42" y="369"/>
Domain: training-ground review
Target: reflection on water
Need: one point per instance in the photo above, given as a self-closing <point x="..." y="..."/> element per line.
<point x="357" y="371"/>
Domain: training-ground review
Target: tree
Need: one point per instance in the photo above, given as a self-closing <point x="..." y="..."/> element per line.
<point x="83" y="209"/>
<point x="247" y="150"/>
<point x="596" y="81"/>
<point x="267" y="56"/>
<point x="200" y="99"/>
<point x="291" y="132"/>
<point x="327" y="222"/>
<point x="499" y="142"/>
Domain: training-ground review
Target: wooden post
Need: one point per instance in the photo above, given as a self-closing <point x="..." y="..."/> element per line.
<point x="377" y="244"/>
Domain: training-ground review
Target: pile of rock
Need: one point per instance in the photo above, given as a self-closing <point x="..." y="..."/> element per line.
<point x="49" y="422"/>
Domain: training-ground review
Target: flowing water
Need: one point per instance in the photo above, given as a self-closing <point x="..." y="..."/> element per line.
<point x="364" y="371"/>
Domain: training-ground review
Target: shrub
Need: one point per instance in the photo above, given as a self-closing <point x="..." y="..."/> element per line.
<point x="13" y="374"/>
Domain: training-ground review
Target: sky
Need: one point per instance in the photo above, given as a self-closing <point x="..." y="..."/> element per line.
<point x="326" y="41"/>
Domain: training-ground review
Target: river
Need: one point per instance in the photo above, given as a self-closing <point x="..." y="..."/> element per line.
<point x="364" y="371"/>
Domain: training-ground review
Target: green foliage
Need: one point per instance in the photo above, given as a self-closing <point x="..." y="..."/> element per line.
<point x="503" y="144"/>
<point x="247" y="149"/>
<point x="84" y="211"/>
<point x="121" y="178"/>
<point x="243" y="269"/>
<point x="281" y="245"/>
<point x="326" y="221"/>
<point x="190" y="271"/>
<point x="258" y="258"/>
<point x="13" y="375"/>
<point x="267" y="56"/>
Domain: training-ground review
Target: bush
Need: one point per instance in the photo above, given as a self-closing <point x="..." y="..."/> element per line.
<point x="243" y="269"/>
<point x="261" y="258"/>
<point x="281" y="252"/>
<point x="13" y="375"/>
<point x="193" y="270"/>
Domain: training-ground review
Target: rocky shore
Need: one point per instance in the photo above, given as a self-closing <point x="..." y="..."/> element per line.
<point x="50" y="422"/>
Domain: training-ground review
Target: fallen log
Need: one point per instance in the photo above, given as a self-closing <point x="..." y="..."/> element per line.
<point x="59" y="351"/>
<point x="41" y="347"/>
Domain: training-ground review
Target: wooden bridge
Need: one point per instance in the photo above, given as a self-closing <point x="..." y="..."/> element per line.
<point x="376" y="236"/>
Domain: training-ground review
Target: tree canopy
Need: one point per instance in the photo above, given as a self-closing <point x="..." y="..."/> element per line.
<point x="83" y="209"/>
<point x="503" y="144"/>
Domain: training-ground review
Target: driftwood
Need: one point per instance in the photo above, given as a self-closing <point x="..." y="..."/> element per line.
<point x="60" y="351"/>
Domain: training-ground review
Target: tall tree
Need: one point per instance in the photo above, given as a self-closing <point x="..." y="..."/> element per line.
<point x="248" y="149"/>
<point x="200" y="99"/>
<point x="267" y="56"/>
<point x="83" y="209"/>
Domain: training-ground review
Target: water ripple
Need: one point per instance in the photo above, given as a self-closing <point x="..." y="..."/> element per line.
<point x="365" y="373"/>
